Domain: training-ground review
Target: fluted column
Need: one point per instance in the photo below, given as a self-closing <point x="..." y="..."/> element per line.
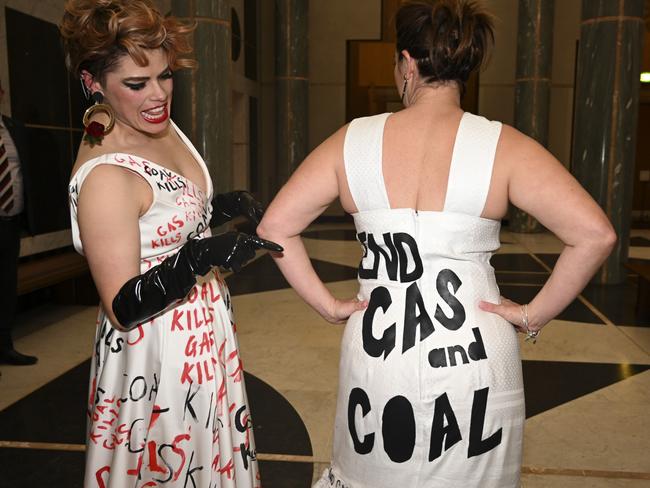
<point x="606" y="109"/>
<point x="533" y="84"/>
<point x="202" y="104"/>
<point x="292" y="84"/>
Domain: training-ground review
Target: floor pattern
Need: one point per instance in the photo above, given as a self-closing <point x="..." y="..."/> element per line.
<point x="587" y="382"/>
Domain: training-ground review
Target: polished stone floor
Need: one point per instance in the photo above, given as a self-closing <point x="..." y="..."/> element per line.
<point x="587" y="380"/>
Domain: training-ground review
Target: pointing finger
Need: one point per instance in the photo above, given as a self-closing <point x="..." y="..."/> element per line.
<point x="264" y="244"/>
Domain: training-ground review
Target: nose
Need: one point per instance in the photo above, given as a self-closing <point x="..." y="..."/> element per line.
<point x="158" y="93"/>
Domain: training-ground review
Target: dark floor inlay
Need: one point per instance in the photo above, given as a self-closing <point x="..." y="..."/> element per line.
<point x="548" y="384"/>
<point x="617" y="302"/>
<point x="276" y="474"/>
<point x="515" y="262"/>
<point x="29" y="468"/>
<point x="263" y="275"/>
<point x="548" y="259"/>
<point x="523" y="278"/>
<point x="32" y="418"/>
<point x="575" y="312"/>
<point x="332" y="234"/>
<point x="277" y="427"/>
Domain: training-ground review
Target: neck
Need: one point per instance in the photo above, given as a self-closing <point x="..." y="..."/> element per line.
<point x="435" y="95"/>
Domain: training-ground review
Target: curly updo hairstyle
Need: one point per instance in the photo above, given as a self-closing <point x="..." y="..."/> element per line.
<point x="448" y="38"/>
<point x="97" y="33"/>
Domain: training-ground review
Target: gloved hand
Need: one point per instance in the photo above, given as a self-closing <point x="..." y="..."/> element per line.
<point x="145" y="295"/>
<point x="227" y="206"/>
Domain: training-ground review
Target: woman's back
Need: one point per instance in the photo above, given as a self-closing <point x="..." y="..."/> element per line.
<point x="417" y="149"/>
<point x="438" y="381"/>
<point x="430" y="387"/>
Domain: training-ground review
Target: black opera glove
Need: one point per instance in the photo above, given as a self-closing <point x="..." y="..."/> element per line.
<point x="227" y="206"/>
<point x="146" y="295"/>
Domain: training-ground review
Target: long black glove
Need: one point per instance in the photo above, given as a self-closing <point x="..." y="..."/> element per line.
<point x="144" y="296"/>
<point x="227" y="206"/>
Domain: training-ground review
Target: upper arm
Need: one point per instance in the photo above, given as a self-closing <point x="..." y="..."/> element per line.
<point x="541" y="186"/>
<point x="110" y="204"/>
<point x="309" y="191"/>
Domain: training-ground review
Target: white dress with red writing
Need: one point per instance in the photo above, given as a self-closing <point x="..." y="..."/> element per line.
<point x="167" y="404"/>
<point x="430" y="387"/>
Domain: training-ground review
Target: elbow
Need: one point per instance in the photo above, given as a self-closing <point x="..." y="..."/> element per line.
<point x="120" y="317"/>
<point x="604" y="239"/>
<point x="269" y="230"/>
<point x="110" y="315"/>
<point x="609" y="239"/>
<point x="263" y="229"/>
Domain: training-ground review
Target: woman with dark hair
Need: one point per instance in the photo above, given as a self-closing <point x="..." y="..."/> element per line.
<point x="430" y="387"/>
<point x="167" y="403"/>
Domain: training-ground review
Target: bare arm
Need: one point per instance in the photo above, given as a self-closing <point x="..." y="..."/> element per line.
<point x="111" y="201"/>
<point x="542" y="187"/>
<point x="309" y="191"/>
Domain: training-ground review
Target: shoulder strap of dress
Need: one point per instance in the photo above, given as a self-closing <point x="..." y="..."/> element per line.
<point x="471" y="165"/>
<point x="362" y="153"/>
<point x="126" y="161"/>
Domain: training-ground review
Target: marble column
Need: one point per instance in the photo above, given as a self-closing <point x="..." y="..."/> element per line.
<point x="202" y="105"/>
<point x="606" y="109"/>
<point x="292" y="85"/>
<point x="533" y="84"/>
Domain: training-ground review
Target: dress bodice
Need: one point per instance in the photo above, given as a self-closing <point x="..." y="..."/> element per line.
<point x="180" y="209"/>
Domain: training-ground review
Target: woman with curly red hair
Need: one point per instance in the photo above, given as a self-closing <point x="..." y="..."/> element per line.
<point x="167" y="404"/>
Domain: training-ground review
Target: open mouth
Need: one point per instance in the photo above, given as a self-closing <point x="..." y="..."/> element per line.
<point x="155" y="115"/>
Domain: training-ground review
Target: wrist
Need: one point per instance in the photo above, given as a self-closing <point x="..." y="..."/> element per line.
<point x="535" y="320"/>
<point x="327" y="312"/>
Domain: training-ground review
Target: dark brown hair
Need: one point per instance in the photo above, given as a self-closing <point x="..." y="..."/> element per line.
<point x="97" y="33"/>
<point x="448" y="38"/>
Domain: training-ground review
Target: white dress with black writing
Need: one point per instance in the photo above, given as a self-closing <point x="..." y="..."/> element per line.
<point x="430" y="387"/>
<point x="167" y="405"/>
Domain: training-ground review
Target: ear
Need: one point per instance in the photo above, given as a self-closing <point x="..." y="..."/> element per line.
<point x="410" y="65"/>
<point x="89" y="81"/>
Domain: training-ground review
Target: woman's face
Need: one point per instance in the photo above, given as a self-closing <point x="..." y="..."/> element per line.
<point x="141" y="96"/>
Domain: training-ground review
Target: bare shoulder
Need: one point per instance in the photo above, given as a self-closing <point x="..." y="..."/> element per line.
<point x="110" y="180"/>
<point x="517" y="148"/>
<point x="329" y="154"/>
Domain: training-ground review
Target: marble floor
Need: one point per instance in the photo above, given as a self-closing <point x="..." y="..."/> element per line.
<point x="587" y="380"/>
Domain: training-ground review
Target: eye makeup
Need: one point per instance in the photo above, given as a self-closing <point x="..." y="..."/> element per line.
<point x="138" y="82"/>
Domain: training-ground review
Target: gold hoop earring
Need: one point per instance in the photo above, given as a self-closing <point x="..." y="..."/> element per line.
<point x="404" y="100"/>
<point x="95" y="131"/>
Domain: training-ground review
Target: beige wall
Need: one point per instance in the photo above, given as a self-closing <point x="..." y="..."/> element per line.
<point x="331" y="24"/>
<point x="497" y="82"/>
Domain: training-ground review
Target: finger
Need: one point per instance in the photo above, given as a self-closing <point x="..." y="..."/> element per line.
<point x="488" y="306"/>
<point x="253" y="217"/>
<point x="351" y="306"/>
<point x="360" y="304"/>
<point x="495" y="308"/>
<point x="264" y="244"/>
